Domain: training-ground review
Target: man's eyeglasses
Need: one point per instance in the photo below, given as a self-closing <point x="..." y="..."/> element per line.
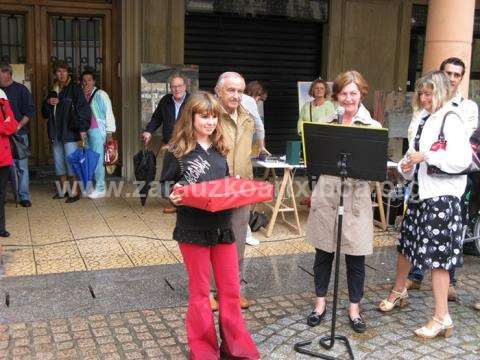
<point x="177" y="87"/>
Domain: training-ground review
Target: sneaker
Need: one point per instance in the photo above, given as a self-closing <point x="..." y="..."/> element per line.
<point x="252" y="241"/>
<point x="95" y="194"/>
<point x="476" y="305"/>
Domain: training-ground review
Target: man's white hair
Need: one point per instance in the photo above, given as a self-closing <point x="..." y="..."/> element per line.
<point x="223" y="77"/>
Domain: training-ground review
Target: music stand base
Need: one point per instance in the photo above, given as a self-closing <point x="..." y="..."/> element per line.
<point x="326" y="343"/>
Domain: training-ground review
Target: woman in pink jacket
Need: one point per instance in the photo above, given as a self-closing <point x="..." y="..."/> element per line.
<point x="8" y="126"/>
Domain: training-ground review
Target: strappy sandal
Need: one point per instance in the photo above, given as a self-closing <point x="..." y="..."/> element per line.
<point x="400" y="301"/>
<point x="428" y="332"/>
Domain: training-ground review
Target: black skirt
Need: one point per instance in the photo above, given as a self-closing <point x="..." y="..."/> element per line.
<point x="204" y="237"/>
<point x="431" y="235"/>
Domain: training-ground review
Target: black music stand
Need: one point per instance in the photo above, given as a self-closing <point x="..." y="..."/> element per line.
<point x="347" y="152"/>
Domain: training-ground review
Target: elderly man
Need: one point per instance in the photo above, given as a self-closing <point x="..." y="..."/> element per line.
<point x="23" y="108"/>
<point x="238" y="128"/>
<point x="454" y="68"/>
<point x="167" y="112"/>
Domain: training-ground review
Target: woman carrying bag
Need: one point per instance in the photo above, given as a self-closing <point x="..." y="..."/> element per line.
<point x="431" y="234"/>
<point x="102" y="126"/>
<point x="8" y="126"/>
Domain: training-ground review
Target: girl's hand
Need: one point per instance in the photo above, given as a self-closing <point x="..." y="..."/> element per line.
<point x="416" y="157"/>
<point x="176" y="199"/>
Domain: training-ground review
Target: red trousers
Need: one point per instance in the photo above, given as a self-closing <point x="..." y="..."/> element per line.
<point x="202" y="337"/>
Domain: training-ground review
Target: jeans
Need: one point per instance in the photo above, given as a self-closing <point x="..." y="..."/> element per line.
<point x="96" y="141"/>
<point x="20" y="169"/>
<point x="322" y="270"/>
<point x="417" y="274"/>
<point x="60" y="152"/>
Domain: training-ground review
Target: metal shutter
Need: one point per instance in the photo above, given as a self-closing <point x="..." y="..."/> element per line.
<point x="277" y="52"/>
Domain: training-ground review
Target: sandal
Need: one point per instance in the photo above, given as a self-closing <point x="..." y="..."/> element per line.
<point x="400" y="300"/>
<point x="429" y="331"/>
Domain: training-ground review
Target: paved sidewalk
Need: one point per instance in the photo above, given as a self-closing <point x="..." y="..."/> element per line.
<point x="277" y="322"/>
<point x="104" y="280"/>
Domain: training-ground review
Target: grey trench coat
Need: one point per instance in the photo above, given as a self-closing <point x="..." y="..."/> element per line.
<point x="357" y="226"/>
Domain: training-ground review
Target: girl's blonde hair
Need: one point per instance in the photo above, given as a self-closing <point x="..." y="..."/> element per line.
<point x="183" y="140"/>
<point x="438" y="83"/>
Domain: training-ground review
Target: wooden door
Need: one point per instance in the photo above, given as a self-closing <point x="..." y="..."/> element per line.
<point x="41" y="32"/>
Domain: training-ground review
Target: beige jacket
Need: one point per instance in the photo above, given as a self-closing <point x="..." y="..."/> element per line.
<point x="357" y="225"/>
<point x="239" y="135"/>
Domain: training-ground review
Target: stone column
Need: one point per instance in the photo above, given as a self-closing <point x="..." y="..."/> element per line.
<point x="449" y="34"/>
<point x="152" y="32"/>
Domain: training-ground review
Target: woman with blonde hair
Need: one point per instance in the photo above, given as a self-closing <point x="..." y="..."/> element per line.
<point x="432" y="227"/>
<point x="320" y="108"/>
<point x="349" y="89"/>
<point x="196" y="153"/>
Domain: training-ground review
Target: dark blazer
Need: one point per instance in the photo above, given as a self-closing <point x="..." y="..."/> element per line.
<point x="58" y="120"/>
<point x="165" y="115"/>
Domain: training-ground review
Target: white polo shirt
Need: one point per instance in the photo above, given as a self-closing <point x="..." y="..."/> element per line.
<point x="468" y="110"/>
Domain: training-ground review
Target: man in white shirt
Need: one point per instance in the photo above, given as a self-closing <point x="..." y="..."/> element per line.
<point x="454" y="68"/>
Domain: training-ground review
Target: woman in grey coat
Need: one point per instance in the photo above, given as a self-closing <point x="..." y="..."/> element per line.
<point x="349" y="88"/>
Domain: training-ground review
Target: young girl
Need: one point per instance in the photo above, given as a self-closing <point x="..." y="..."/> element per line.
<point x="196" y="153"/>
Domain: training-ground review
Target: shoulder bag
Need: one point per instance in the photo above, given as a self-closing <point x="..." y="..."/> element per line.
<point x="441" y="144"/>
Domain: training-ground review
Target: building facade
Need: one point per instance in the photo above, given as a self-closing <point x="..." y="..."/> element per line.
<point x="278" y="42"/>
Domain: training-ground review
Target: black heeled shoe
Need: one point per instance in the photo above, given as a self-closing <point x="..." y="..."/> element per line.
<point x="315" y="318"/>
<point x="4" y="234"/>
<point x="358" y="324"/>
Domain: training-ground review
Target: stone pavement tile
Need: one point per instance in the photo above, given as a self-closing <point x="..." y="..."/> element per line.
<point x="144" y="252"/>
<point x="303" y="246"/>
<point x="60" y="265"/>
<point x="102" y="246"/>
<point x="252" y="252"/>
<point x="172" y="247"/>
<point x="18" y="261"/>
<point x="275" y="249"/>
<point x="56" y="251"/>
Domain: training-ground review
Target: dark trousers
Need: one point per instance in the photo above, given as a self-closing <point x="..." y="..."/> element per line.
<point x="4" y="174"/>
<point x="322" y="269"/>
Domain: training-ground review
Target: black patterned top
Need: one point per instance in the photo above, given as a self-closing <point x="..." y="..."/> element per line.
<point x="194" y="225"/>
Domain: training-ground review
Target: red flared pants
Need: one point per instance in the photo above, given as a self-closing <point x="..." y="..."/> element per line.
<point x="202" y="337"/>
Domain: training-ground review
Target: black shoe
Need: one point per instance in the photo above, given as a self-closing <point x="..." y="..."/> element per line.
<point x="58" y="196"/>
<point x="4" y="233"/>
<point x="25" y="203"/>
<point x="72" y="199"/>
<point x="315" y="318"/>
<point x="358" y="324"/>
